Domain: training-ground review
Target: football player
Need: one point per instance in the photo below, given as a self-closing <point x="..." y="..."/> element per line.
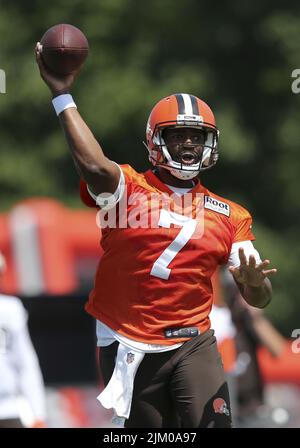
<point x="22" y="390"/>
<point x="152" y="294"/>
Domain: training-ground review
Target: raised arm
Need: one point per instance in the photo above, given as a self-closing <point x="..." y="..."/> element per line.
<point x="101" y="174"/>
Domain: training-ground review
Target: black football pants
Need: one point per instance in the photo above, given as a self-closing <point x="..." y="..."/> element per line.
<point x="181" y="388"/>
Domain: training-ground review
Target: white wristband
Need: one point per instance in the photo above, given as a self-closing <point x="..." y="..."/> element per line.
<point x="62" y="102"/>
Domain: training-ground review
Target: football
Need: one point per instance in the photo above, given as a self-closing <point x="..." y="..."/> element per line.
<point x="64" y="48"/>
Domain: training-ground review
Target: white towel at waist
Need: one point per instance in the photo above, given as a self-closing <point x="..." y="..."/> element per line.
<point x="118" y="392"/>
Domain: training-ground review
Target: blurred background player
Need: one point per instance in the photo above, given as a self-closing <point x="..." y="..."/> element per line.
<point x="22" y="394"/>
<point x="240" y="331"/>
<point x="253" y="331"/>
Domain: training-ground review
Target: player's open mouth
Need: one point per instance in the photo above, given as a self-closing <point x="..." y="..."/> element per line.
<point x="188" y="158"/>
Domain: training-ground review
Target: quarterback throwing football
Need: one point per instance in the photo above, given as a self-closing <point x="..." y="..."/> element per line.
<point x="165" y="236"/>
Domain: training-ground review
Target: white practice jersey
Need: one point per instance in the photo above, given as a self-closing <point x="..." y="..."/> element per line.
<point x="20" y="374"/>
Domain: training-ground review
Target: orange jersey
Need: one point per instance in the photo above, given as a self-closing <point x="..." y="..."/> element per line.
<point x="157" y="277"/>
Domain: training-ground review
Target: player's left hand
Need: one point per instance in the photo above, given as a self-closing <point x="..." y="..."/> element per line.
<point x="249" y="273"/>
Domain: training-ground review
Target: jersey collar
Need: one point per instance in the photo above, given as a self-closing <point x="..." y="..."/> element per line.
<point x="153" y="180"/>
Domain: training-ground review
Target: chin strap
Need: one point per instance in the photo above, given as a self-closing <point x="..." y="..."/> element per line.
<point x="184" y="175"/>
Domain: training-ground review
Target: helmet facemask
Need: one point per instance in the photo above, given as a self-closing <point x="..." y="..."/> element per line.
<point x="160" y="155"/>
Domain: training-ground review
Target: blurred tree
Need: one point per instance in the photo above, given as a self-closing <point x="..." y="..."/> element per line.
<point x="236" y="55"/>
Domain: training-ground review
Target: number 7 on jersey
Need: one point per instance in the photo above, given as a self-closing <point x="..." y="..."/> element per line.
<point x="160" y="267"/>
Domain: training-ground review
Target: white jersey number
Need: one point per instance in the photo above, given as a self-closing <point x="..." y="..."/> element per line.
<point x="160" y="267"/>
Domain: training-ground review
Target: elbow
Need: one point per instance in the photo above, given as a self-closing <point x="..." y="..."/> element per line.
<point x="94" y="169"/>
<point x="98" y="178"/>
<point x="90" y="170"/>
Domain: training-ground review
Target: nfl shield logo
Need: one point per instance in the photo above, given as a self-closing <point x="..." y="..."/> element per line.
<point x="130" y="358"/>
<point x="220" y="406"/>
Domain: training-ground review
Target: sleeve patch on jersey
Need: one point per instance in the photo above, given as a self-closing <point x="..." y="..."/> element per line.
<point x="216" y="206"/>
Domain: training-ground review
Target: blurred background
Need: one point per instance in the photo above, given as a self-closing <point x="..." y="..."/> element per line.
<point x="239" y="57"/>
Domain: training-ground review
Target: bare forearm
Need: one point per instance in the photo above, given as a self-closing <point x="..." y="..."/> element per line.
<point x="268" y="335"/>
<point x="258" y="296"/>
<point x="93" y="166"/>
<point x="83" y="145"/>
